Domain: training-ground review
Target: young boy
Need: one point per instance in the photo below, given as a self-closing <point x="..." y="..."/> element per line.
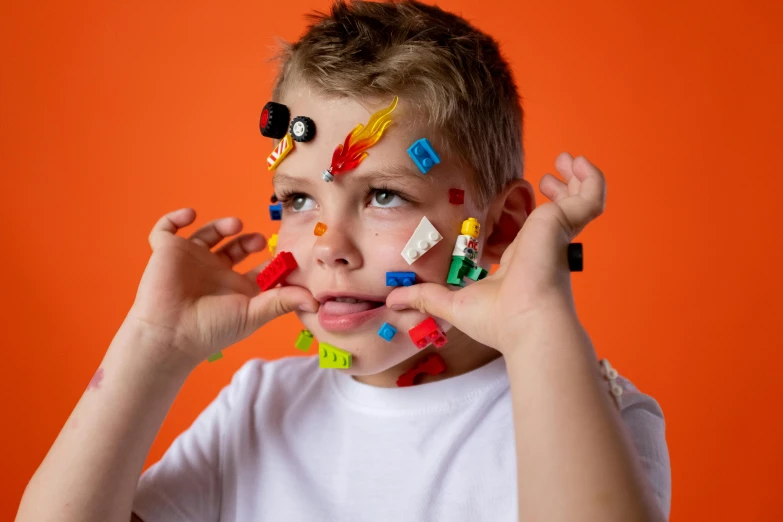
<point x="520" y="424"/>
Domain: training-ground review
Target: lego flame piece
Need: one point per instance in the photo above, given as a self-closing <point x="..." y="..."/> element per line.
<point x="348" y="155"/>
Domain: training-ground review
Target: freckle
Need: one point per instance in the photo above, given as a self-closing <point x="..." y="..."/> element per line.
<point x="96" y="380"/>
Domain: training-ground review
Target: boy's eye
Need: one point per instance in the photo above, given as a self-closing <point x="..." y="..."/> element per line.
<point x="386" y="199"/>
<point x="300" y="203"/>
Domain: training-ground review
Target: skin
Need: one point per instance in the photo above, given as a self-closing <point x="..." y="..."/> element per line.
<point x="367" y="232"/>
<point x="575" y="459"/>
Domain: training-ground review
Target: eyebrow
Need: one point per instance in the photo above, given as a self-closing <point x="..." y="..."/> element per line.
<point x="408" y="176"/>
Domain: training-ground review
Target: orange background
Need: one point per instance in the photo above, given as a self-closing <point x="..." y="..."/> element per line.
<point x="113" y="113"/>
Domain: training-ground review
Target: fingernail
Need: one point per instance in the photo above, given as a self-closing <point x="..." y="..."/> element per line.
<point x="304" y="307"/>
<point x="398" y="307"/>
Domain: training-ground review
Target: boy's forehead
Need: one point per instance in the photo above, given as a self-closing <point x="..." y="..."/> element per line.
<point x="334" y="119"/>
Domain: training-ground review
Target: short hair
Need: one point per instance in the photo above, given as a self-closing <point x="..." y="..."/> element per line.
<point x="451" y="73"/>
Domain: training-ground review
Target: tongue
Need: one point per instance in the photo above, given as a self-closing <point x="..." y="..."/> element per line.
<point x="337" y="308"/>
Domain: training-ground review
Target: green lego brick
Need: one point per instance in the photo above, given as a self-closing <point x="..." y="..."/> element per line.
<point x="215" y="356"/>
<point x="333" y="357"/>
<point x="477" y="273"/>
<point x="459" y="267"/>
<point x="304" y="341"/>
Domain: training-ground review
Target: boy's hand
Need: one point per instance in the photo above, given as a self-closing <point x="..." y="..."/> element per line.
<point x="533" y="276"/>
<point x="192" y="298"/>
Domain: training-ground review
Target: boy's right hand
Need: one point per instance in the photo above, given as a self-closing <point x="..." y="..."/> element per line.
<point x="192" y="298"/>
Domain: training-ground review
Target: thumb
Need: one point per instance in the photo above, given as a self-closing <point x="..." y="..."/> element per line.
<point x="428" y="298"/>
<point x="279" y="301"/>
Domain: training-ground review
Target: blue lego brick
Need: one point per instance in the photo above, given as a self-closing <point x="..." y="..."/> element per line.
<point x="276" y="212"/>
<point x="400" y="278"/>
<point x="423" y="155"/>
<point x="387" y="331"/>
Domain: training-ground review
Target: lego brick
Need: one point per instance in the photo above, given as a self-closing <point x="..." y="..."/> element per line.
<point x="276" y="271"/>
<point x="423" y="239"/>
<point x="304" y="340"/>
<point x="320" y="228"/>
<point x="276" y="212"/>
<point x="332" y="357"/>
<point x="427" y="332"/>
<point x="387" y="331"/>
<point x="433" y="364"/>
<point x="423" y="155"/>
<point x="215" y="356"/>
<point x="272" y="244"/>
<point x="400" y="278"/>
<point x="456" y="196"/>
<point x="285" y="146"/>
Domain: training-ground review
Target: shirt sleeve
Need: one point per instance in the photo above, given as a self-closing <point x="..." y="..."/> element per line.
<point x="185" y="485"/>
<point x="644" y="418"/>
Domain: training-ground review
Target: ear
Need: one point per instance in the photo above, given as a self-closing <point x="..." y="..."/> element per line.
<point x="505" y="217"/>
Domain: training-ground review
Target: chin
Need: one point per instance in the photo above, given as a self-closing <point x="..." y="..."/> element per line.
<point x="370" y="353"/>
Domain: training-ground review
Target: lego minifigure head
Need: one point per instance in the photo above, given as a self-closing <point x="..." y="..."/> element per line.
<point x="470" y="227"/>
<point x="371" y="212"/>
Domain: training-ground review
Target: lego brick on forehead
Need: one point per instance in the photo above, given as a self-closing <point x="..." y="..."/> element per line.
<point x="353" y="151"/>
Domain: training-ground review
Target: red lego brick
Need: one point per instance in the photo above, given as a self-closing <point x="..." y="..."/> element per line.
<point x="276" y="271"/>
<point x="456" y="196"/>
<point x="427" y="332"/>
<point x="433" y="364"/>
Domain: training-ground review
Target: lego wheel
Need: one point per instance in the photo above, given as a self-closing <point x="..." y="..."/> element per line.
<point x="274" y="120"/>
<point x="302" y="129"/>
<point x="575" y="259"/>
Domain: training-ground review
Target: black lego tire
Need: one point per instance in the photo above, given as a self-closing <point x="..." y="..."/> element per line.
<point x="302" y="129"/>
<point x="274" y="120"/>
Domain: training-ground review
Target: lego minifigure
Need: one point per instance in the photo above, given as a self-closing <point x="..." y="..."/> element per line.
<point x="464" y="255"/>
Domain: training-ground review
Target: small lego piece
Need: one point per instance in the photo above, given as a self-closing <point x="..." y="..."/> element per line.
<point x="302" y="129"/>
<point x="304" y="340"/>
<point x="456" y="196"/>
<point x="348" y="155"/>
<point x="276" y="271"/>
<point x="333" y="357"/>
<point x="387" y="331"/>
<point x="575" y="257"/>
<point x="433" y="364"/>
<point x="320" y="228"/>
<point x="215" y="356"/>
<point x="274" y="120"/>
<point x="464" y="255"/>
<point x="427" y="332"/>
<point x="423" y="155"/>
<point x="423" y="239"/>
<point x="276" y="212"/>
<point x="272" y="244"/>
<point x="400" y="278"/>
<point x="285" y="146"/>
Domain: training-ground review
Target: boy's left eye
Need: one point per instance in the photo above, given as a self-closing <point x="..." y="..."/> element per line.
<point x="386" y="199"/>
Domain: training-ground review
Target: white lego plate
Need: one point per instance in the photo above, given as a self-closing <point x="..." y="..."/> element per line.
<point x="423" y="239"/>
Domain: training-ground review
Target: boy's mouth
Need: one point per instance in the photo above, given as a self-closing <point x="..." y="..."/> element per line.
<point x="346" y="312"/>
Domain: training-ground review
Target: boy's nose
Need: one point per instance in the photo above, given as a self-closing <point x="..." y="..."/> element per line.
<point x="335" y="249"/>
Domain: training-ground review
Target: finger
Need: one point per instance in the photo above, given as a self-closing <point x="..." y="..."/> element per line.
<point x="592" y="195"/>
<point x="215" y="231"/>
<point x="240" y="247"/>
<point x="279" y="301"/>
<point x="170" y="224"/>
<point x="564" y="165"/>
<point x="552" y="187"/>
<point x="428" y="298"/>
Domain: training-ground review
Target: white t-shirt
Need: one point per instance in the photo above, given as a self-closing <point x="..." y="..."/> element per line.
<point x="288" y="441"/>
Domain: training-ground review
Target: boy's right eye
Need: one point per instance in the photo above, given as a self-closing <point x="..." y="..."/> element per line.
<point x="301" y="202"/>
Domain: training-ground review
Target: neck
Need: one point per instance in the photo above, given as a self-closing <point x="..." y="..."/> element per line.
<point x="461" y="354"/>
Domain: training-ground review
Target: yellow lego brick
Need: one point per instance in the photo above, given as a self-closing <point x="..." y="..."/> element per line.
<point x="272" y="244"/>
<point x="304" y="341"/>
<point x="333" y="357"/>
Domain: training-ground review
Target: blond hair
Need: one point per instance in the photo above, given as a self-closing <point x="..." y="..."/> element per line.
<point x="451" y="73"/>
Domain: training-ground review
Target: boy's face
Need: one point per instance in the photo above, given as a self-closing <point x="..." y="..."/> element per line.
<point x="370" y="213"/>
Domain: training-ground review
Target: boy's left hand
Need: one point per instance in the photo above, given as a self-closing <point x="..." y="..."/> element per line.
<point x="533" y="278"/>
